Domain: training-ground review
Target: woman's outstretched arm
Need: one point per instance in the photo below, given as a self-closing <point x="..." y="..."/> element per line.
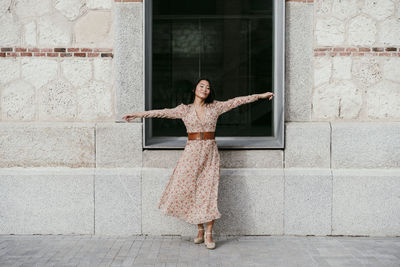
<point x="224" y="106"/>
<point x="170" y="113"/>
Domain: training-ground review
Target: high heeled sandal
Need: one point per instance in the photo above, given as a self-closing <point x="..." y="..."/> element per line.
<point x="209" y="245"/>
<point x="199" y="240"/>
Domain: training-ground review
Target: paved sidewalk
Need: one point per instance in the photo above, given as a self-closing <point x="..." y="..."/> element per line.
<point x="88" y="250"/>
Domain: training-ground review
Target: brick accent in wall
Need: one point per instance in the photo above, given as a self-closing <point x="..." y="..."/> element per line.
<point x="55" y="52"/>
<point x="357" y="51"/>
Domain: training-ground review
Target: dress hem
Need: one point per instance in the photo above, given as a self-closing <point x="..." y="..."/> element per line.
<point x="190" y="221"/>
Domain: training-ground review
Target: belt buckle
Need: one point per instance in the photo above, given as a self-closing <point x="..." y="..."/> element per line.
<point x="201" y="135"/>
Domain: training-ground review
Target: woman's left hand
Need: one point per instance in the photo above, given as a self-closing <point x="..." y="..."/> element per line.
<point x="267" y="95"/>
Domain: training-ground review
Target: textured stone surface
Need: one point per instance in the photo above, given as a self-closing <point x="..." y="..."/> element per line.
<point x="329" y="31"/>
<point x="103" y="70"/>
<point x="18" y="101"/>
<point x="54" y="30"/>
<point x="323" y="7"/>
<point x="10" y="30"/>
<point x="30" y="30"/>
<point x="4" y="5"/>
<point x="378" y="9"/>
<point x="340" y="99"/>
<point x="298" y="61"/>
<point x="39" y="71"/>
<point x="366" y="202"/>
<point x="47" y="145"/>
<point x="389" y="33"/>
<point x="303" y="151"/>
<point x="322" y="70"/>
<point x="99" y="4"/>
<point x="46" y="201"/>
<point x="77" y="70"/>
<point x="229" y="159"/>
<point x="308" y="201"/>
<point x="26" y="9"/>
<point x="153" y="158"/>
<point x="118" y="145"/>
<point x="366" y="70"/>
<point x="383" y="100"/>
<point x="343" y="9"/>
<point x="365" y="145"/>
<point x="362" y="31"/>
<point x="251" y="158"/>
<point x="251" y="202"/>
<point x="71" y="9"/>
<point x="391" y="69"/>
<point x="57" y="101"/>
<point x="94" y="29"/>
<point x="341" y="68"/>
<point x="128" y="56"/>
<point x="118" y="201"/>
<point x="95" y="101"/>
<point x="9" y="69"/>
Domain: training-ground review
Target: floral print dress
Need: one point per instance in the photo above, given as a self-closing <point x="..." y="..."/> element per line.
<point x="191" y="193"/>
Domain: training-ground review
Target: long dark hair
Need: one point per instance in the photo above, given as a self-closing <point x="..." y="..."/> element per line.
<point x="211" y="95"/>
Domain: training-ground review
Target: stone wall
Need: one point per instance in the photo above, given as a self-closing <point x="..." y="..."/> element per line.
<point x="69" y="70"/>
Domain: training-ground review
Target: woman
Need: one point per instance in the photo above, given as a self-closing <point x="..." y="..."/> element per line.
<point x="192" y="191"/>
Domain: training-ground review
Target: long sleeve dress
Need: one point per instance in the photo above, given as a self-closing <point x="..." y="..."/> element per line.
<point x="191" y="193"/>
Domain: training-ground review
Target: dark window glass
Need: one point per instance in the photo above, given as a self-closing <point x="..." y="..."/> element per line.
<point x="229" y="41"/>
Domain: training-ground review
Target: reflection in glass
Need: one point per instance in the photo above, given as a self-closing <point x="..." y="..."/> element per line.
<point x="231" y="43"/>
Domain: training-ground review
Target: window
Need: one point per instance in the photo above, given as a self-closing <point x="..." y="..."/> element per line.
<point x="238" y="44"/>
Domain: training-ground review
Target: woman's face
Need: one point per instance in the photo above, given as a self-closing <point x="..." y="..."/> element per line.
<point x="202" y="89"/>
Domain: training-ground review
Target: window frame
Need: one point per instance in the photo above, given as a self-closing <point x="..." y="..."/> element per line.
<point x="224" y="142"/>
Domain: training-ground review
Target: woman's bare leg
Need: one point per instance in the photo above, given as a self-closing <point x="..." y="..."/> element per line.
<point x="201" y="232"/>
<point x="209" y="230"/>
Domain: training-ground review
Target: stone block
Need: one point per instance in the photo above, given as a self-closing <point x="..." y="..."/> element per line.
<point x="39" y="71"/>
<point x="128" y="56"/>
<point x="299" y="55"/>
<point x="9" y="69"/>
<point x="46" y="201"/>
<point x="95" y="102"/>
<point x="10" y="30"/>
<point x="77" y="71"/>
<point x="251" y="202"/>
<point x="251" y="158"/>
<point x="362" y="31"/>
<point x="18" y="102"/>
<point x="47" y="145"/>
<point x="340" y="99"/>
<point x="389" y="33"/>
<point x="366" y="202"/>
<point x="94" y="29"/>
<point x="57" y="101"/>
<point x="118" y="145"/>
<point x="308" y="201"/>
<point x="378" y="9"/>
<point x="54" y="30"/>
<point x="383" y="101"/>
<point x="329" y="31"/>
<point x="118" y="201"/>
<point x="365" y="145"/>
<point x="307" y="145"/>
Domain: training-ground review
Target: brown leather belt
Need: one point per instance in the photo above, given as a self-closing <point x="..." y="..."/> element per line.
<point x="201" y="135"/>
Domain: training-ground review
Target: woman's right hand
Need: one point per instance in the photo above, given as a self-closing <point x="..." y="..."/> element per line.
<point x="130" y="117"/>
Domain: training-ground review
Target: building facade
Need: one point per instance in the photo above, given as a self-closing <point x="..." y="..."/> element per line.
<point x="69" y="164"/>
